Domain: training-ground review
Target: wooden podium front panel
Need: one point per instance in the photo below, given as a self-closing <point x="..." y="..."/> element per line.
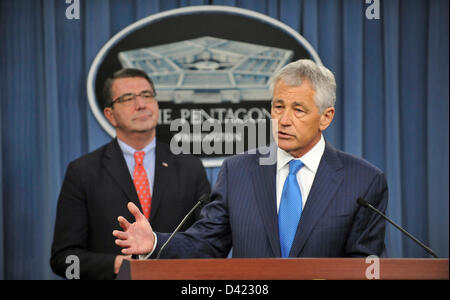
<point x="282" y="269"/>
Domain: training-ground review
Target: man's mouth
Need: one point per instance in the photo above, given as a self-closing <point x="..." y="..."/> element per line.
<point x="142" y="116"/>
<point x="284" y="135"/>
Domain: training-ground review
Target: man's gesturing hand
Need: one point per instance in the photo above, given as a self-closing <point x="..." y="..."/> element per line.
<point x="136" y="238"/>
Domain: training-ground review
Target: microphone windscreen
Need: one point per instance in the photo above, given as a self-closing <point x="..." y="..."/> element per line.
<point x="362" y="202"/>
<point x="204" y="199"/>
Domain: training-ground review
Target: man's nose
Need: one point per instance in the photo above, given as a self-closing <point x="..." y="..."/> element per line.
<point x="285" y="118"/>
<point x="139" y="102"/>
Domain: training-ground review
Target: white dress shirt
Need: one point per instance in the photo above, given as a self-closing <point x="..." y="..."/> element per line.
<point x="305" y="175"/>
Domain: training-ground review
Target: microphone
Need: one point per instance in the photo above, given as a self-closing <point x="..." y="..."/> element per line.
<point x="364" y="203"/>
<point x="203" y="199"/>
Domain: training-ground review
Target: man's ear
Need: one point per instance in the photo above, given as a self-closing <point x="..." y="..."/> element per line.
<point x="326" y="118"/>
<point x="110" y="116"/>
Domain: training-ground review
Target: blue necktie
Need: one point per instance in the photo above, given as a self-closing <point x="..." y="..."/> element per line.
<point x="290" y="208"/>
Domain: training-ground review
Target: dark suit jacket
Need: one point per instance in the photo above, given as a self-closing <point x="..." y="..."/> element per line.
<point x="96" y="190"/>
<point x="242" y="213"/>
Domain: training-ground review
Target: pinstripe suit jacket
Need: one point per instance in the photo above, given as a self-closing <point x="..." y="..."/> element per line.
<point x="242" y="213"/>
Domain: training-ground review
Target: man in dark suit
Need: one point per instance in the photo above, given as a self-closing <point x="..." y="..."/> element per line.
<point x="302" y="205"/>
<point x="98" y="186"/>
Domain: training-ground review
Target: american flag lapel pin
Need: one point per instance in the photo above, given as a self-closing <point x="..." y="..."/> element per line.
<point x="165" y="164"/>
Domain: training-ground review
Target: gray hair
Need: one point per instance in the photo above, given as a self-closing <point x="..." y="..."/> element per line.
<point x="321" y="78"/>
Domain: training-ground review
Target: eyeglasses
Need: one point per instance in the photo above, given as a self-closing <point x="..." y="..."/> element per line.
<point x="129" y="99"/>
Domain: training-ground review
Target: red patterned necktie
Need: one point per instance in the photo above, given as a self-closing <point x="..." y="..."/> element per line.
<point x="141" y="184"/>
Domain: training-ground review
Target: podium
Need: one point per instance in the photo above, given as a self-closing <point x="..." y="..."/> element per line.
<point x="283" y="269"/>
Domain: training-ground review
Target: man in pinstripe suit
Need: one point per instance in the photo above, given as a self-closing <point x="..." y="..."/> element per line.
<point x="245" y="202"/>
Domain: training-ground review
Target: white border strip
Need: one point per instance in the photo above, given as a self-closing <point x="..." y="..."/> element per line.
<point x="178" y="11"/>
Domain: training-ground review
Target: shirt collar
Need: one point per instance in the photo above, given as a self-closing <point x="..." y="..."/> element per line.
<point x="311" y="159"/>
<point x="127" y="149"/>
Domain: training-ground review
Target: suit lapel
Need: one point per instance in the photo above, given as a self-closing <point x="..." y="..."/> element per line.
<point x="325" y="185"/>
<point x="264" y="182"/>
<point x="116" y="166"/>
<point x="163" y="171"/>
